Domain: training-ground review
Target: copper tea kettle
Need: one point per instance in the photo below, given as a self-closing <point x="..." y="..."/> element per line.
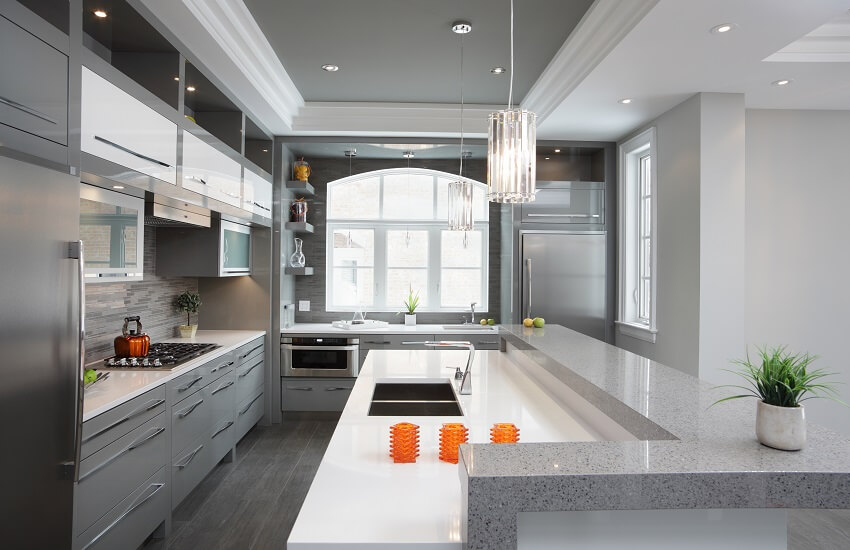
<point x="132" y="343"/>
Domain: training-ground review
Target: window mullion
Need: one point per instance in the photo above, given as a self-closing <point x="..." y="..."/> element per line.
<point x="434" y="268"/>
<point x="380" y="267"/>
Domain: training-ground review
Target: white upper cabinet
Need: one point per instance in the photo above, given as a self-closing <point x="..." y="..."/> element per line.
<point x="257" y="194"/>
<point x="208" y="171"/>
<point x="121" y="129"/>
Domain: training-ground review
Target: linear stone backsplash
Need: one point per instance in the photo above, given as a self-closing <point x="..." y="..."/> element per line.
<point x="151" y="298"/>
<point x="324" y="170"/>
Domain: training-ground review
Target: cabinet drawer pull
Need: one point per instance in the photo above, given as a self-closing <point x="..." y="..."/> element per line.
<point x="150" y="405"/>
<point x="299" y="388"/>
<point x="252" y="351"/>
<point x="247" y="372"/>
<point x="229" y="424"/>
<point x="263" y="207"/>
<point x="485" y="343"/>
<point x="375" y="342"/>
<point x="132" y="446"/>
<point x="563" y="215"/>
<point x="141" y="500"/>
<point x="248" y="406"/>
<point x="27" y="110"/>
<point x="221" y="367"/>
<point x="190" y="458"/>
<point x="222" y="388"/>
<point x="198" y="179"/>
<point x="187" y="411"/>
<point x="181" y="389"/>
<point x="130" y="151"/>
<point x="336" y="388"/>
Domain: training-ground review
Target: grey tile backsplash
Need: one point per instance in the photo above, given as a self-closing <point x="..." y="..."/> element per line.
<point x="312" y="288"/>
<point x="152" y="298"/>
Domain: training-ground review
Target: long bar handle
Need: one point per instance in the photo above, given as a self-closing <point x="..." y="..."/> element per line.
<point x="321" y="348"/>
<point x="247" y="372"/>
<point x="229" y="424"/>
<point x="181" y="389"/>
<point x="28" y="110"/>
<point x="190" y="458"/>
<point x="188" y="410"/>
<point x="245" y="356"/>
<point x="222" y="387"/>
<point x="150" y="405"/>
<point x="563" y="215"/>
<point x="528" y="303"/>
<point x="135" y="505"/>
<point x="248" y="406"/>
<point x="130" y="151"/>
<point x="132" y="446"/>
<point x="75" y="250"/>
<point x="223" y="365"/>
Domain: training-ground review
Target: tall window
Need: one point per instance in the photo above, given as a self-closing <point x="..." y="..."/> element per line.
<point x="386" y="234"/>
<point x="637" y="250"/>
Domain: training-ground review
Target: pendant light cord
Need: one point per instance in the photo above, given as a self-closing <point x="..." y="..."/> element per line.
<point x="511" y="88"/>
<point x="460" y="172"/>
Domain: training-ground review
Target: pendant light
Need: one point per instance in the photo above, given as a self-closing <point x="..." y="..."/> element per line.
<point x="350" y="153"/>
<point x="408" y="155"/>
<point x="511" y="148"/>
<point x="460" y="216"/>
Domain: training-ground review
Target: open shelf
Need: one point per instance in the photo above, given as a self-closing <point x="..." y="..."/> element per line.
<point x="298" y="270"/>
<point x="210" y="109"/>
<point x="299" y="227"/>
<point x="258" y="146"/>
<point x="301" y="187"/>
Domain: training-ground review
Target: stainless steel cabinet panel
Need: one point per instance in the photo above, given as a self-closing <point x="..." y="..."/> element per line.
<point x="311" y="394"/>
<point x="189" y="468"/>
<point x="189" y="418"/>
<point x="109" y="475"/>
<point x="105" y="428"/>
<point x="567" y="203"/>
<point x="33" y="84"/>
<point x="249" y="377"/>
<point x="130" y="522"/>
<point x="247" y="414"/>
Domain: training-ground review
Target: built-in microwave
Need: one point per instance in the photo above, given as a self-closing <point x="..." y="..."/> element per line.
<point x="329" y="357"/>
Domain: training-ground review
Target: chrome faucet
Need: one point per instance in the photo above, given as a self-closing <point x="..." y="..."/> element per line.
<point x="464" y="378"/>
<point x="472" y="314"/>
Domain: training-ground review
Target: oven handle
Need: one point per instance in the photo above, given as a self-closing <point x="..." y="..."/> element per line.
<point x="317" y="348"/>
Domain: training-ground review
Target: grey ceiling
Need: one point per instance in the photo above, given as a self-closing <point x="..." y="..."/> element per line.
<point x="404" y="50"/>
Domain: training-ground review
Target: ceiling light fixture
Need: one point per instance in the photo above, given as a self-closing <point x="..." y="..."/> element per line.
<point x="99" y="13"/>
<point x="118" y="187"/>
<point x="177" y="78"/>
<point x="557" y="150"/>
<point x="498" y="70"/>
<point x="784" y="82"/>
<point x="545" y="158"/>
<point x="408" y="154"/>
<point x="722" y="28"/>
<point x="330" y="68"/>
<point x="511" y="148"/>
<point x="190" y="88"/>
<point x="625" y="101"/>
<point x="460" y="190"/>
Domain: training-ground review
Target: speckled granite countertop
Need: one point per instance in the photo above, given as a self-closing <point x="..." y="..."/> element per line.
<point x="689" y="456"/>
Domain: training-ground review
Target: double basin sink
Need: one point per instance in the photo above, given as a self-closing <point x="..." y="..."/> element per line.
<point x="435" y="398"/>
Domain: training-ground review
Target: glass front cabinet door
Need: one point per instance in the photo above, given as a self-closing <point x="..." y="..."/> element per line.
<point x="235" y="253"/>
<point x="112" y="231"/>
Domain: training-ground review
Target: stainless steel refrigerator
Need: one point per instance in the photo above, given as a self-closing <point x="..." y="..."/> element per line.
<point x="40" y="350"/>
<point x="563" y="279"/>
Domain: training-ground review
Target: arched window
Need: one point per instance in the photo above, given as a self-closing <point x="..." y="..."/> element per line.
<point x="387" y="233"/>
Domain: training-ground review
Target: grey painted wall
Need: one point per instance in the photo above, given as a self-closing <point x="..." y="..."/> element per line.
<point x="152" y="298"/>
<point x="677" y="302"/>
<point x="798" y="190"/>
<point x="313" y="287"/>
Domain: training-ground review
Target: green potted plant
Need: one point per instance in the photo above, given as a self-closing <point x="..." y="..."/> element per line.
<point x="781" y="381"/>
<point x="188" y="302"/>
<point x="410" y="304"/>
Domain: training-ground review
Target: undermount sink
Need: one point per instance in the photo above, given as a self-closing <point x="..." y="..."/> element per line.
<point x="414" y="399"/>
<point x="470" y="327"/>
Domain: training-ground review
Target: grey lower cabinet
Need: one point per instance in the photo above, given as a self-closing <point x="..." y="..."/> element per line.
<point x="142" y="458"/>
<point x="315" y="394"/>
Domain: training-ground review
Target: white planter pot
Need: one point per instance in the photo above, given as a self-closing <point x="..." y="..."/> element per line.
<point x="410" y="320"/>
<point x="782" y="428"/>
<point x="188" y="331"/>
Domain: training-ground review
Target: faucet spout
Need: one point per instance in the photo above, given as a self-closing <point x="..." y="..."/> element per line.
<point x="472" y="312"/>
<point x="465" y="385"/>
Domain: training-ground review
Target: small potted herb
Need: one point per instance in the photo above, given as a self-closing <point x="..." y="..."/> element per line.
<point x="780" y="382"/>
<point x="410" y="304"/>
<point x="188" y="302"/>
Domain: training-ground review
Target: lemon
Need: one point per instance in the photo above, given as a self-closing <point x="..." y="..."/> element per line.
<point x="528" y="322"/>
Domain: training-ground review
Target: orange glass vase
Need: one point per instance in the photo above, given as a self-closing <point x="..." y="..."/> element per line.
<point x="452" y="435"/>
<point x="504" y="433"/>
<point x="404" y="442"/>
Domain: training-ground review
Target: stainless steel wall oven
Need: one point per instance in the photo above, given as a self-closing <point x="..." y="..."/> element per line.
<point x="312" y="356"/>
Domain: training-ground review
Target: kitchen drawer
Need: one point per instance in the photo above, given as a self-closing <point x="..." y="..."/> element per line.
<point x="105" y="428"/>
<point x="109" y="475"/>
<point x="34" y="87"/>
<point x="189" y="467"/>
<point x="222" y="398"/>
<point x="392" y="341"/>
<point x="208" y="171"/>
<point x="117" y="127"/>
<point x="250" y="350"/>
<point x="247" y="414"/>
<point x="220" y="366"/>
<point x="188" y="384"/>
<point x="480" y="341"/>
<point x="189" y="418"/>
<point x="129" y="523"/>
<point x="310" y="394"/>
<point x="249" y="377"/>
<point x="222" y="438"/>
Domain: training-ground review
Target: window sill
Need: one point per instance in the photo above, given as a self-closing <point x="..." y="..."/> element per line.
<point x="641" y="332"/>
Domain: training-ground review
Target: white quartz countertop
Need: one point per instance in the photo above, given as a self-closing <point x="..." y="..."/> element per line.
<point x="360" y="498"/>
<point x="125" y="384"/>
<point x="326" y="328"/>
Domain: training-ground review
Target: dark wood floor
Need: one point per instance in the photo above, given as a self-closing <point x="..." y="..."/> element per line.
<point x="252" y="503"/>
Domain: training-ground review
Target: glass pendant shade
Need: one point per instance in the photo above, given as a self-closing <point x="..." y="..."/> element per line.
<point x="512" y="156"/>
<point x="460" y="206"/>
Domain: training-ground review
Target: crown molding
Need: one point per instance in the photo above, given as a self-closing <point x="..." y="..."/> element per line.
<point x="351" y="118"/>
<point x="604" y="25"/>
<point x="233" y="27"/>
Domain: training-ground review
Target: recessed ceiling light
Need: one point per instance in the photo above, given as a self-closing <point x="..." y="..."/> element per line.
<point x="545" y="158"/>
<point x="722" y="28"/>
<point x="625" y="101"/>
<point x="330" y="68"/>
<point x="177" y="78"/>
<point x="781" y="82"/>
<point x="99" y="13"/>
<point x="461" y="27"/>
<point x="118" y="187"/>
<point x="557" y="150"/>
<point x="265" y="150"/>
<point x="498" y="70"/>
<point x="190" y="88"/>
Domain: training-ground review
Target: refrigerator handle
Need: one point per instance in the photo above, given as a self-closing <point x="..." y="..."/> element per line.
<point x="528" y="302"/>
<point x="75" y="250"/>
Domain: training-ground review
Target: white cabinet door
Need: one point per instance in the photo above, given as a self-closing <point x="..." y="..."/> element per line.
<point x="257" y="194"/>
<point x="121" y="129"/>
<point x="210" y="172"/>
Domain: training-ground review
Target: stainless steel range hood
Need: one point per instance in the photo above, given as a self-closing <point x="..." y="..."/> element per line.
<point x="166" y="212"/>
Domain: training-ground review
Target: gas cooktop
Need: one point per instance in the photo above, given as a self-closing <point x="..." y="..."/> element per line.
<point x="162" y="356"/>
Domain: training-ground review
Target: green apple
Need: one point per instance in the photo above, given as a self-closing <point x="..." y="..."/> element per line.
<point x="539" y="322"/>
<point x="89" y="376"/>
<point x="491" y="322"/>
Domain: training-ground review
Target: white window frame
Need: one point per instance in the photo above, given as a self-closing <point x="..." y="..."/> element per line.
<point x="629" y="321"/>
<point x="380" y="226"/>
